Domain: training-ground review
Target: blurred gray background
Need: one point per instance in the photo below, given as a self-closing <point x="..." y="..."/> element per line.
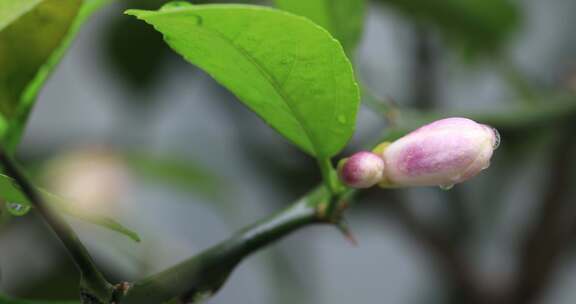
<point x="175" y="110"/>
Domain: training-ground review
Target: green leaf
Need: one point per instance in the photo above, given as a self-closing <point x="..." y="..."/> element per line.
<point x="285" y="68"/>
<point x="478" y="26"/>
<point x="343" y="18"/>
<point x="34" y="34"/>
<point x="94" y="218"/>
<point x="10" y="193"/>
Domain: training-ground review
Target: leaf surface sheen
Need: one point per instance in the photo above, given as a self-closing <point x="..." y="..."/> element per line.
<point x="288" y="70"/>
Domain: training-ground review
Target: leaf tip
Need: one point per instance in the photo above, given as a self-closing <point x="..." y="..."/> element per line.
<point x="135" y="12"/>
<point x="131" y="234"/>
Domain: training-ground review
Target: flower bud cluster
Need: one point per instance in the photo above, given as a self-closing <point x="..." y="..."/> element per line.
<point x="442" y="153"/>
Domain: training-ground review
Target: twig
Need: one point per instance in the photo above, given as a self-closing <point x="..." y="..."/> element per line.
<point x="202" y="275"/>
<point x="451" y="261"/>
<point x="93" y="284"/>
<point x="552" y="229"/>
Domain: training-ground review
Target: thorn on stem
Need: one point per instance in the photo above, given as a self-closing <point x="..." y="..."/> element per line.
<point x="120" y="290"/>
<point x="348" y="235"/>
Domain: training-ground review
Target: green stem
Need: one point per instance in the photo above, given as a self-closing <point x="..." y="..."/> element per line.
<point x="92" y="281"/>
<point x="329" y="175"/>
<point x="203" y="274"/>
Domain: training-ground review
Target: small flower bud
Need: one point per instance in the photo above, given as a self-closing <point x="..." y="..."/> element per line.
<point x="92" y="178"/>
<point x="361" y="170"/>
<point x="442" y="153"/>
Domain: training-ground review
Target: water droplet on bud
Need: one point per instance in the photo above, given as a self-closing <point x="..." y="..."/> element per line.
<point x="497" y="140"/>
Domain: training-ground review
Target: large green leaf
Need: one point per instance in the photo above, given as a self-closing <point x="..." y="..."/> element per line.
<point x="478" y="26"/>
<point x="343" y="18"/>
<point x="11" y="195"/>
<point x="34" y="34"/>
<point x="288" y="70"/>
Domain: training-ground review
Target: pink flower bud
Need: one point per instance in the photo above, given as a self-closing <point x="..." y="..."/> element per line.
<point x="442" y="153"/>
<point x="361" y="170"/>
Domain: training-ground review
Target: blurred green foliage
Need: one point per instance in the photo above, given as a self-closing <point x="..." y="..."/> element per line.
<point x="180" y="173"/>
<point x="11" y="194"/>
<point x="135" y="52"/>
<point x="31" y="34"/>
<point x="478" y="27"/>
<point x="32" y="44"/>
<point x="343" y="18"/>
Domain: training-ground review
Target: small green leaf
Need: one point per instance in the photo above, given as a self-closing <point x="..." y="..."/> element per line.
<point x="10" y="192"/>
<point x="90" y="217"/>
<point x="12" y="200"/>
<point x="180" y="173"/>
<point x="12" y="196"/>
<point x="285" y="68"/>
<point x="343" y="18"/>
<point x="34" y="34"/>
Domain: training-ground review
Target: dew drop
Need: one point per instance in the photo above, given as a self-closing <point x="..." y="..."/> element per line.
<point x="251" y="38"/>
<point x="446" y="187"/>
<point x="342" y="119"/>
<point x="497" y="140"/>
<point x="176" y="4"/>
<point x="17" y="209"/>
<point x="202" y="296"/>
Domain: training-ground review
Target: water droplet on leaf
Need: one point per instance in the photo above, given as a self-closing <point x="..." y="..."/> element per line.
<point x="446" y="186"/>
<point x="202" y="296"/>
<point x="342" y="119"/>
<point x="176" y="4"/>
<point x="17" y="209"/>
<point x="251" y="38"/>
